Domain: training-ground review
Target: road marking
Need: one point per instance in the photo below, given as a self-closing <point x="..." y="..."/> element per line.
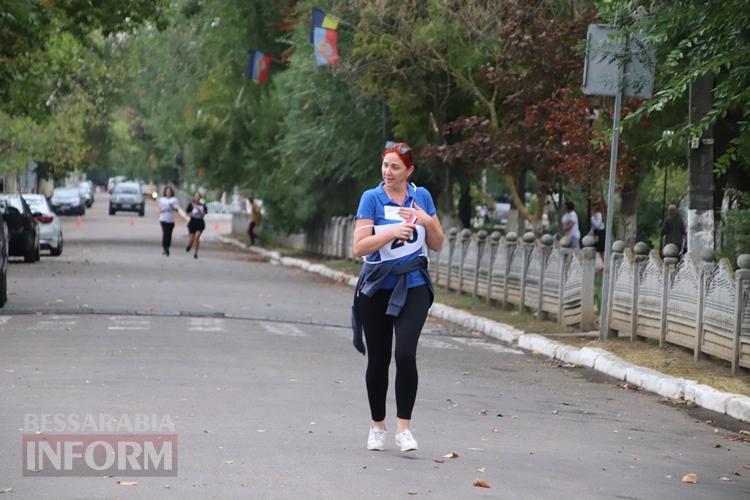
<point x="284" y="330"/>
<point x="129" y="325"/>
<point x="490" y="346"/>
<point x="51" y="326"/>
<point x="436" y="344"/>
<point x="206" y="325"/>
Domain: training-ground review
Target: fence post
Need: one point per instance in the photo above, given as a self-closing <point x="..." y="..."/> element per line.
<point x="481" y="244"/>
<point x="565" y="253"/>
<point x="452" y="235"/>
<point x="528" y="247"/>
<point x="618" y="248"/>
<point x="511" y="245"/>
<point x="588" y="280"/>
<point x="742" y="276"/>
<point x="494" y="243"/>
<point x="706" y="266"/>
<point x="465" y="241"/>
<point x="641" y="250"/>
<point x="671" y="253"/>
<point x="547" y="241"/>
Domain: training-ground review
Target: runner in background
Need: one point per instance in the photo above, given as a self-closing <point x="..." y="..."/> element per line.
<point x="168" y="205"/>
<point x="395" y="222"/>
<point x="197" y="211"/>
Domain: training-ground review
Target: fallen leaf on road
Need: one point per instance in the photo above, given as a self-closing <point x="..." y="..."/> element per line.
<point x="536" y="353"/>
<point x="483" y="412"/>
<point x="480" y="483"/>
<point x="494" y="429"/>
<point x="149" y="309"/>
<point x="717" y="445"/>
<point x="452" y="454"/>
<point x="690" y="478"/>
<point x="127" y="483"/>
<point x="629" y="387"/>
<point x="439" y="461"/>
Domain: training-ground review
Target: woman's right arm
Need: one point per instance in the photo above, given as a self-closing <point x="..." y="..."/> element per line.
<point x="365" y="242"/>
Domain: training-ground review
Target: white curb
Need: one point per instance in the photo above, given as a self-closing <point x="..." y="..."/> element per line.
<point x="708" y="397"/>
<point x="734" y="405"/>
<point x="739" y="407"/>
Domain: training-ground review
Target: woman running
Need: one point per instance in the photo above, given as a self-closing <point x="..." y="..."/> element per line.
<point x="394" y="223"/>
<point x="168" y="205"/>
<point x="197" y="210"/>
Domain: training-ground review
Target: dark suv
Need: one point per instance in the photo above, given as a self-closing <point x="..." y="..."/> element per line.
<point x="23" y="229"/>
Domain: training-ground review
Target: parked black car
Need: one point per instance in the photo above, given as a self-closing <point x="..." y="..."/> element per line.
<point x="4" y="235"/>
<point x="22" y="227"/>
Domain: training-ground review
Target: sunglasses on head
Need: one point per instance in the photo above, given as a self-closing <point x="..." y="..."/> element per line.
<point x="400" y="147"/>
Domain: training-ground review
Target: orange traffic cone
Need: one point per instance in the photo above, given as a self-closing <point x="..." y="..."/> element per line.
<point x="78" y="221"/>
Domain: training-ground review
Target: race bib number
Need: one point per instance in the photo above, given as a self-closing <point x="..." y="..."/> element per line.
<point x="396" y="249"/>
<point x="391" y="213"/>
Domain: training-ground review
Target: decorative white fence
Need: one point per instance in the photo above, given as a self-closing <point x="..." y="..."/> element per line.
<point x="703" y="306"/>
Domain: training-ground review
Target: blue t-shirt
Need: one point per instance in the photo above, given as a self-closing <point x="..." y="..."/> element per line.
<point x="373" y="205"/>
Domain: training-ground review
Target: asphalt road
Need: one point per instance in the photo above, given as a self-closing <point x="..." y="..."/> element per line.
<point x="254" y="366"/>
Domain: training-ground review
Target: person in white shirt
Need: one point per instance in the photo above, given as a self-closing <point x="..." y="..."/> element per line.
<point x="570" y="225"/>
<point x="168" y="205"/>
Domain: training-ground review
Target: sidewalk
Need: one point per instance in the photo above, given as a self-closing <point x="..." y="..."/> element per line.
<point x="678" y="390"/>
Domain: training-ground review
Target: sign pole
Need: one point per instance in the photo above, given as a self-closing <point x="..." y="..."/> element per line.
<point x="606" y="271"/>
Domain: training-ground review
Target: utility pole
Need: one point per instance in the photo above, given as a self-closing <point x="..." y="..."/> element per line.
<point x="700" y="224"/>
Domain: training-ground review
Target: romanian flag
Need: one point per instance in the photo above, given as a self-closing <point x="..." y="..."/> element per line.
<point x="322" y="20"/>
<point x="325" y="43"/>
<point x="258" y="66"/>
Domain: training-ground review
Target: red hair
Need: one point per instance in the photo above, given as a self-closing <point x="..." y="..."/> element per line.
<point x="403" y="151"/>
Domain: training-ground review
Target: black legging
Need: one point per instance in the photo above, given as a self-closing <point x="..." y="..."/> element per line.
<point x="379" y="330"/>
<point x="166" y="235"/>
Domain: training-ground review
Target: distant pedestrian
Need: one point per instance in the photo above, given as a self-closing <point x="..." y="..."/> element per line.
<point x="168" y="205"/>
<point x="197" y="211"/>
<point x="673" y="229"/>
<point x="598" y="228"/>
<point x="255" y="216"/>
<point x="396" y="222"/>
<point x="570" y="225"/>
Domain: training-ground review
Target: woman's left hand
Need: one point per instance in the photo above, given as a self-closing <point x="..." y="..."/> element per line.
<point x="422" y="217"/>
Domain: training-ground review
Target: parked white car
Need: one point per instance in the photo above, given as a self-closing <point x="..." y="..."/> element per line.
<point x="50" y="229"/>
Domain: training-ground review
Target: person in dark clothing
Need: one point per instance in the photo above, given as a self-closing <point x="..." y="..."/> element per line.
<point x="395" y="221"/>
<point x="197" y="211"/>
<point x="673" y="229"/>
<point x="255" y="215"/>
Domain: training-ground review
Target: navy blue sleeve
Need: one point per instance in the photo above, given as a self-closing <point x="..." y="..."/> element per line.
<point x="367" y="205"/>
<point x="425" y="201"/>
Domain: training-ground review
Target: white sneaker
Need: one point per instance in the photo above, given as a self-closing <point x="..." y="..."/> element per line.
<point x="406" y="441"/>
<point x="376" y="439"/>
